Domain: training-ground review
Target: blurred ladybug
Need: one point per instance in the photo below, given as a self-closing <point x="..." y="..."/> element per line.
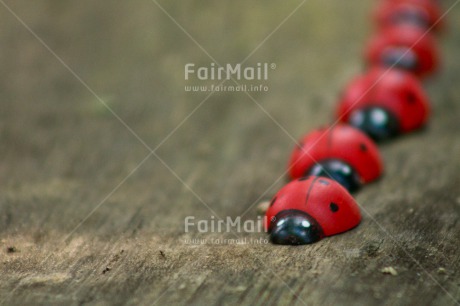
<point x="340" y="152"/>
<point x="306" y="210"/>
<point x="404" y="47"/>
<point x="425" y="14"/>
<point x="384" y="103"/>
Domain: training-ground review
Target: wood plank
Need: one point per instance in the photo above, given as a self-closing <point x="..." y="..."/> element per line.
<point x="63" y="154"/>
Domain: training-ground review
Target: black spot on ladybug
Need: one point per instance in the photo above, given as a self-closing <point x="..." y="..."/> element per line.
<point x="334" y="207"/>
<point x="304" y="178"/>
<point x="324" y="182"/>
<point x="363" y="147"/>
<point x="273" y="202"/>
<point x="411" y="98"/>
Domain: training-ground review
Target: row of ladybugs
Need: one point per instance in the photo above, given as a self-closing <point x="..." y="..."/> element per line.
<point x="386" y="101"/>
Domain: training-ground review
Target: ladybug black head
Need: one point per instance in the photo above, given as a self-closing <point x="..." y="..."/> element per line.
<point x="376" y="122"/>
<point x="400" y="57"/>
<point x="294" y="227"/>
<point x="339" y="171"/>
<point x="411" y="16"/>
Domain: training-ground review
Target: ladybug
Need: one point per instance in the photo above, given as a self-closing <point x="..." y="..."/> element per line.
<point x="340" y="152"/>
<point x="384" y="103"/>
<point x="425" y="14"/>
<point x="309" y="209"/>
<point x="404" y="47"/>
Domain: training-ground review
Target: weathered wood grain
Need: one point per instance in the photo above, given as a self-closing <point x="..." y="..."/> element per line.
<point x="62" y="154"/>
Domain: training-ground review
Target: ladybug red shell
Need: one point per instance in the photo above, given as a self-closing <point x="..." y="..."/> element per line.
<point x="425" y="14"/>
<point x="404" y="47"/>
<point x="308" y="209"/>
<point x="340" y="152"/>
<point x="384" y="103"/>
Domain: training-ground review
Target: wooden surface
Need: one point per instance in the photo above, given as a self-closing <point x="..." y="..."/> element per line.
<point x="81" y="222"/>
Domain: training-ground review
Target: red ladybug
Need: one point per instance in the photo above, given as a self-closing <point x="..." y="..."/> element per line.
<point x="425" y="14"/>
<point x="384" y="103"/>
<point x="306" y="210"/>
<point x="404" y="47"/>
<point x="340" y="152"/>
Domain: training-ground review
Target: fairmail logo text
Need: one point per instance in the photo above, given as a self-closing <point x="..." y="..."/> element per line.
<point x="228" y="72"/>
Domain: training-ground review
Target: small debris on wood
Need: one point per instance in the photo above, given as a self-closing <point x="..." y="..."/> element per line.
<point x="11" y="249"/>
<point x="240" y="288"/>
<point x="389" y="270"/>
<point x="162" y="254"/>
<point x="114" y="259"/>
<point x="182" y="286"/>
<point x="262" y="207"/>
<point x="411" y="210"/>
<point x="442" y="271"/>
